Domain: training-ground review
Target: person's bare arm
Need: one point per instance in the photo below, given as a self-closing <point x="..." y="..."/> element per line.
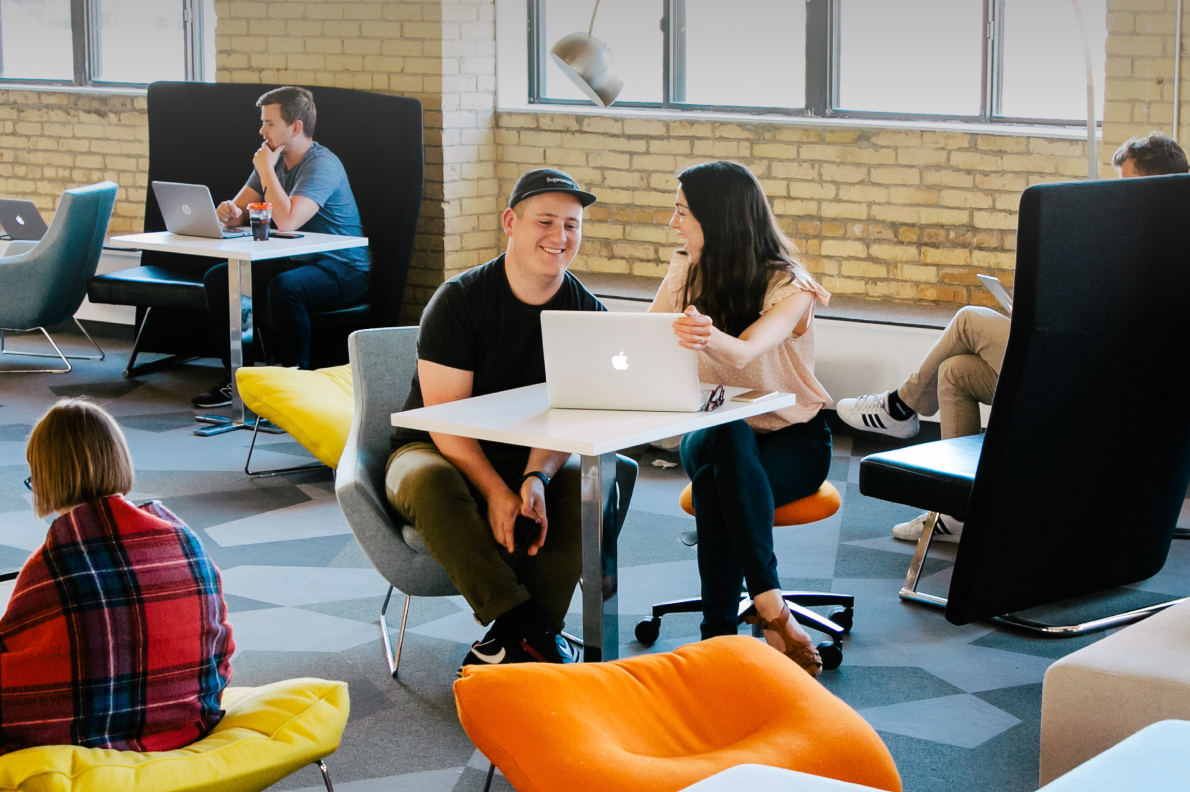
<point x="791" y="316"/>
<point x="533" y="490"/>
<point x="662" y="302"/>
<point x="235" y="212"/>
<point x="289" y="214"/>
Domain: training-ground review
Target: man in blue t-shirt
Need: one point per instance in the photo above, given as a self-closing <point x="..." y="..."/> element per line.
<point x="308" y="188"/>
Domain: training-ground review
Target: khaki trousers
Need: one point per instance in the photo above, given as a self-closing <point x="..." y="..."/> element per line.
<point x="450" y="515"/>
<point x="960" y="371"/>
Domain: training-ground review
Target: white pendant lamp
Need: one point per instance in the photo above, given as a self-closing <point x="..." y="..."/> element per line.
<point x="587" y="62"/>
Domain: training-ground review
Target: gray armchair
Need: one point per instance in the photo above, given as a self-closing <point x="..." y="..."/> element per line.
<point x="43" y="283"/>
<point x="383" y="362"/>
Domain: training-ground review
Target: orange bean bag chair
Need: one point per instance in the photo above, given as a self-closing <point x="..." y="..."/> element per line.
<point x="665" y="721"/>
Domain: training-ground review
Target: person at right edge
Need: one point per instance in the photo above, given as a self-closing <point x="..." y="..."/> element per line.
<point x="747" y="308"/>
<point x="961" y="370"/>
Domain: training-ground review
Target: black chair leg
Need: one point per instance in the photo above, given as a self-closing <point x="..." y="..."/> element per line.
<point x="133" y="370"/>
<point x="487" y="785"/>
<point x="836" y="625"/>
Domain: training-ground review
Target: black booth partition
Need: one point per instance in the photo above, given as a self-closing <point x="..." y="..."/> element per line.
<point x="204" y="133"/>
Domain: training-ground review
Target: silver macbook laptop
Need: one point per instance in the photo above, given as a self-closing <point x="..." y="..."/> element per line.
<point x="20" y="219"/>
<point x="618" y="361"/>
<point x="189" y="210"/>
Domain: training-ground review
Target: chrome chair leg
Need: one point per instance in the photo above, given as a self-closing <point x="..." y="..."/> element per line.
<point x="326" y="776"/>
<point x="59" y="356"/>
<point x="256" y="422"/>
<point x="910" y="593"/>
<point x="393" y="658"/>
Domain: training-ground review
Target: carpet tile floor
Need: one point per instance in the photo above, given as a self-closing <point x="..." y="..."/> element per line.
<point x="959" y="707"/>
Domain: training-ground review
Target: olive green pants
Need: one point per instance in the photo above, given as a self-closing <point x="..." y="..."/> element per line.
<point x="451" y="517"/>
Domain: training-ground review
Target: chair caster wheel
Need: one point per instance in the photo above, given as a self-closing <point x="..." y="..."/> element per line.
<point x="842" y="617"/>
<point x="832" y="655"/>
<point x="648" y="630"/>
<point x="689" y="538"/>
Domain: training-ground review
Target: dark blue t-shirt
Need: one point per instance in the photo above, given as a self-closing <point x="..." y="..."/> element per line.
<point x="319" y="176"/>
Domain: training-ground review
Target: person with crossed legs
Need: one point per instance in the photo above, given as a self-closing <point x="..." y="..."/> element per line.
<point x="961" y="370"/>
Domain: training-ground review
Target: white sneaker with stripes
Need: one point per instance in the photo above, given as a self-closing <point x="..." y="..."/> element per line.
<point x="946" y="529"/>
<point x="870" y="413"/>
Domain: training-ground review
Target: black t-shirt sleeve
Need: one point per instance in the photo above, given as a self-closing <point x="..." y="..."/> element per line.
<point x="447" y="333"/>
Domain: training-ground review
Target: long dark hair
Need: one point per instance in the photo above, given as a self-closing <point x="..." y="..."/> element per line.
<point x="742" y="244"/>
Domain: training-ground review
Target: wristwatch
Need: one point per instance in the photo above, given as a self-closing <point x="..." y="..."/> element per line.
<point x="545" y="480"/>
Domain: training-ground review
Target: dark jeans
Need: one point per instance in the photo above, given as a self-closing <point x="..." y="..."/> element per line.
<point x="292" y="289"/>
<point x="738" y="476"/>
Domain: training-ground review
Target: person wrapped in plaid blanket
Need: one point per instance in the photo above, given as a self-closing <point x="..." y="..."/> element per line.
<point x="116" y="634"/>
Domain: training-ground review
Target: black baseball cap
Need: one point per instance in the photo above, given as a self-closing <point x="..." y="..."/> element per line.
<point x="547" y="180"/>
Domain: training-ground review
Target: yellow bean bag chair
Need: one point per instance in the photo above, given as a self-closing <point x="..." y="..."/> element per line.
<point x="314" y="407"/>
<point x="267" y="733"/>
<point x="662" y="722"/>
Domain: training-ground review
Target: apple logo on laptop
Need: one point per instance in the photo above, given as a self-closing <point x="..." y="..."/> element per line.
<point x="185" y="209"/>
<point x="620" y="362"/>
<point x="20" y="220"/>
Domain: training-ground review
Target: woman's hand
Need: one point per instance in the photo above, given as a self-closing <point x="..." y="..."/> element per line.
<point x="693" y="329"/>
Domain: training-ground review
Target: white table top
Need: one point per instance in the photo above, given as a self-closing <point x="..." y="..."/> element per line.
<point x="240" y="247"/>
<point x="523" y="417"/>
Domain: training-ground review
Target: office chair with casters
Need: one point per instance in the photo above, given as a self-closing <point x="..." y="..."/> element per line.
<point x="812" y="508"/>
<point x="43" y="283"/>
<point x="383" y="362"/>
<point x="1063" y="497"/>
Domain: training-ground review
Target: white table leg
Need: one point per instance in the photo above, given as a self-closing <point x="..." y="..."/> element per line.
<point x="239" y="302"/>
<point x="601" y="614"/>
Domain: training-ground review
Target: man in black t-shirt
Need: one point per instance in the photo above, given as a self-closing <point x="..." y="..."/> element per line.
<point x="504" y="521"/>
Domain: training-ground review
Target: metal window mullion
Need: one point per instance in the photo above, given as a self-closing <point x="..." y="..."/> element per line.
<point x="192" y="36"/>
<point x="537" y="45"/>
<point x="994" y="62"/>
<point x="820" y="52"/>
<point x="673" y="25"/>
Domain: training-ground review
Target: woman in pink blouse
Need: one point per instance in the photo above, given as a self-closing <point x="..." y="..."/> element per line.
<point x="748" y="308"/>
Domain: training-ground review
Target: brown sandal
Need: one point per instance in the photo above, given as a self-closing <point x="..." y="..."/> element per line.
<point x="804" y="654"/>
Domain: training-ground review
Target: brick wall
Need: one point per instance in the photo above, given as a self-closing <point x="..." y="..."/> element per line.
<point x="1140" y="70"/>
<point x="442" y="53"/>
<point x="53" y="140"/>
<point x="883" y="213"/>
<point x="879" y="213"/>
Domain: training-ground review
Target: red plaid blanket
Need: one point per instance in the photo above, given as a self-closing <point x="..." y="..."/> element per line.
<point x="116" y="635"/>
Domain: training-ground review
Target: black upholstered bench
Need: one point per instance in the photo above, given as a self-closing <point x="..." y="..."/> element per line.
<point x="147" y="287"/>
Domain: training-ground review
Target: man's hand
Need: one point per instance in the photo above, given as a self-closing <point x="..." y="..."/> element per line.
<point x="229" y="214"/>
<point x="265" y="158"/>
<point x="503" y="508"/>
<point x="533" y="507"/>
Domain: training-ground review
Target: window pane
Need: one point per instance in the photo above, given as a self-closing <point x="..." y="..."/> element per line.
<point x="632" y="28"/>
<point x="751" y="56"/>
<point x="1045" y="73"/>
<point x="911" y="56"/>
<point x="35" y="41"/>
<point x="141" y="41"/>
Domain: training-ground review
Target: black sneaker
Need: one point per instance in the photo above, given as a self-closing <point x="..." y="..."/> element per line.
<point x="494" y="649"/>
<point x="547" y="646"/>
<point x="218" y="396"/>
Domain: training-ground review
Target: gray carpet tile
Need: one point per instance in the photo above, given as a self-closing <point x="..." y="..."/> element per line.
<point x="959" y="707"/>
